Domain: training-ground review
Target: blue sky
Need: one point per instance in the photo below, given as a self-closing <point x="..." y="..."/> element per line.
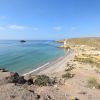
<point x="49" y="19"/>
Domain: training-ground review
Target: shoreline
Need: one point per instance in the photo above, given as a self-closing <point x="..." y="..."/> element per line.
<point x="44" y="66"/>
<point x="51" y="64"/>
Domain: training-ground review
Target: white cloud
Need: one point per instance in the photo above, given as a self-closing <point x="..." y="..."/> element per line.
<point x="57" y="28"/>
<point x="3" y="17"/>
<point x="16" y="27"/>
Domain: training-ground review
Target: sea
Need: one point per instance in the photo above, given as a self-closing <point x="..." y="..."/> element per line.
<point x="24" y="57"/>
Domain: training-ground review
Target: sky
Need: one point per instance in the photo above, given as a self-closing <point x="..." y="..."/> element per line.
<point x="49" y="19"/>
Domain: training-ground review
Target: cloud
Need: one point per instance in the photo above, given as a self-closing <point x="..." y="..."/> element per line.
<point x="3" y="17"/>
<point x="57" y="28"/>
<point x="16" y="27"/>
<point x="13" y="27"/>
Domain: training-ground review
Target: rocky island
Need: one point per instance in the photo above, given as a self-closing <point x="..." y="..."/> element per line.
<point x="22" y="41"/>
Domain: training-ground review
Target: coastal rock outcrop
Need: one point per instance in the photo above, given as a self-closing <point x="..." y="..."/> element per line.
<point x="15" y="78"/>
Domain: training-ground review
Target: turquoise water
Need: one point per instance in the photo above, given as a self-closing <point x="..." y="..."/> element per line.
<point x="24" y="57"/>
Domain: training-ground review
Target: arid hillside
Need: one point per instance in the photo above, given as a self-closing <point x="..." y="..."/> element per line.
<point x="90" y="41"/>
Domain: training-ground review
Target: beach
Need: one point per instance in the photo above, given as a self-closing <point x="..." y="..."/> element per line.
<point x="56" y="66"/>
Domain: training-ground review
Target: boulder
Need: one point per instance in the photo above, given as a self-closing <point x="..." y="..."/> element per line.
<point x="21" y="80"/>
<point x="15" y="78"/>
<point x="30" y="81"/>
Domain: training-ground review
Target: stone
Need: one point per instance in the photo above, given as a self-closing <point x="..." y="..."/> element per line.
<point x="21" y="80"/>
<point x="15" y="78"/>
<point x="30" y="81"/>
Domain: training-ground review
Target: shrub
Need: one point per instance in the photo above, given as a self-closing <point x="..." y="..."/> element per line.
<point x="98" y="65"/>
<point x="92" y="82"/>
<point x="98" y="86"/>
<point x="42" y="80"/>
<point x="67" y="75"/>
<point x="69" y="68"/>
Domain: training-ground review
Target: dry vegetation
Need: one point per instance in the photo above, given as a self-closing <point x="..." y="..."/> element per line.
<point x="93" y="83"/>
<point x="94" y="42"/>
<point x="90" y="41"/>
<point x="94" y="60"/>
<point x="68" y="73"/>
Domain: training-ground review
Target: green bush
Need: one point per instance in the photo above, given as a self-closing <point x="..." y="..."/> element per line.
<point x="67" y="75"/>
<point x="42" y="80"/>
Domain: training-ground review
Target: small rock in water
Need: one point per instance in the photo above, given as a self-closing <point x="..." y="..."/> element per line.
<point x="22" y="41"/>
